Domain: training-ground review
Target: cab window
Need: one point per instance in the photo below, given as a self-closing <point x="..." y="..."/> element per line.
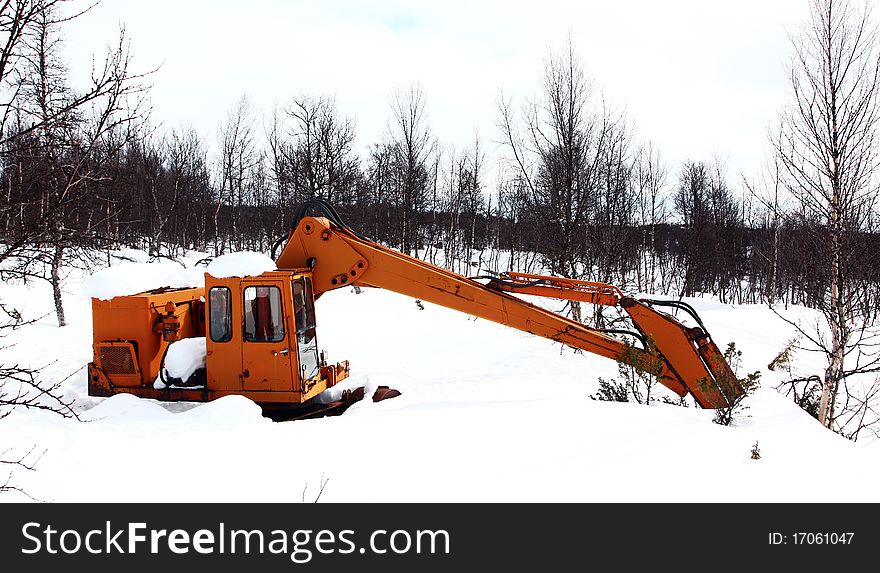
<point x="304" y="314"/>
<point x="263" y="314"/>
<point x="220" y="310"/>
<point x="303" y="308"/>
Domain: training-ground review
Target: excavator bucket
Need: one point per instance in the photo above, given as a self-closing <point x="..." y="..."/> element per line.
<point x="689" y="352"/>
<point x="724" y="376"/>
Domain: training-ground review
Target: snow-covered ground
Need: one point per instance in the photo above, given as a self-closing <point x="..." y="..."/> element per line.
<point x="486" y="413"/>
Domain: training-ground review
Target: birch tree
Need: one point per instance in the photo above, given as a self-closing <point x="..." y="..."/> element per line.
<point x="827" y="150"/>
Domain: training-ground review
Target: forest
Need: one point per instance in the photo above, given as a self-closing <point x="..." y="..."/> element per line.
<point x="575" y="190"/>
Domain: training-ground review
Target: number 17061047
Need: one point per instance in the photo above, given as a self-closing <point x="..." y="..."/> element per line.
<point x="811" y="538"/>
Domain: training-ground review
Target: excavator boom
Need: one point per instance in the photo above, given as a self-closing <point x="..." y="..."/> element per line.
<point x="338" y="257"/>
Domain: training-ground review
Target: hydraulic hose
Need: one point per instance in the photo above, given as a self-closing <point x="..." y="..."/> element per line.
<point x="322" y="206"/>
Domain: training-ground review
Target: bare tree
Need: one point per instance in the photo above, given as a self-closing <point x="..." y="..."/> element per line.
<point x="322" y="149"/>
<point x="768" y="191"/>
<point x="651" y="174"/>
<point x="557" y="158"/>
<point x="20" y="22"/>
<point x="412" y="147"/>
<point x="187" y="184"/>
<point x="239" y="157"/>
<point x="311" y="155"/>
<point x="827" y="149"/>
<point x="27" y="461"/>
<point x="57" y="142"/>
<point x="462" y="205"/>
<point x="54" y="144"/>
<point x="378" y="173"/>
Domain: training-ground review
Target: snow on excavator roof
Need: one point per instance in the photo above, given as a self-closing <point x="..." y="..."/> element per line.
<point x="242" y="264"/>
<point x="129" y="278"/>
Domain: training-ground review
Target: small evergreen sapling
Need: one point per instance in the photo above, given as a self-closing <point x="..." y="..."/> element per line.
<point x="612" y="391"/>
<point x="731" y="404"/>
<point x="640" y="372"/>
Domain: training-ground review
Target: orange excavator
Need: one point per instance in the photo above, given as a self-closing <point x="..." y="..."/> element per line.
<point x="260" y="340"/>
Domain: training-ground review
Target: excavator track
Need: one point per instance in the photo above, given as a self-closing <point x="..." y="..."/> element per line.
<point x="335" y="408"/>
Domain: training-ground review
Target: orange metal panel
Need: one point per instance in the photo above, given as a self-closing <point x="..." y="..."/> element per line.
<point x="133" y="318"/>
<point x="223" y="358"/>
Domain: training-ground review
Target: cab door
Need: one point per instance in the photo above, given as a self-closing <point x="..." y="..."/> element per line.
<point x="268" y="357"/>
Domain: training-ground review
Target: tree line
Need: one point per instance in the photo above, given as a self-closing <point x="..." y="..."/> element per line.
<point x="598" y="205"/>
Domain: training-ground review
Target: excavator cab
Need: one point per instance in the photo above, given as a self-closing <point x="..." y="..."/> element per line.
<point x="261" y="336"/>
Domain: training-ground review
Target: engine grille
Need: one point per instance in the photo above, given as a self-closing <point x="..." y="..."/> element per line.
<point x="117" y="359"/>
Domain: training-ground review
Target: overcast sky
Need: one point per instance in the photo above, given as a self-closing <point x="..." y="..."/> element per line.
<point x="697" y="78"/>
